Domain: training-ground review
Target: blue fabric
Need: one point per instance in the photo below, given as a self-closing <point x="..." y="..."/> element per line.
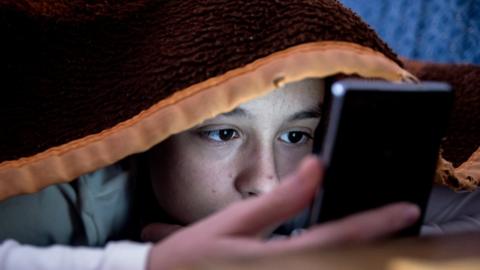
<point x="436" y="30"/>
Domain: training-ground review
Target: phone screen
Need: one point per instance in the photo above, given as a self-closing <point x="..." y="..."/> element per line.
<point x="381" y="145"/>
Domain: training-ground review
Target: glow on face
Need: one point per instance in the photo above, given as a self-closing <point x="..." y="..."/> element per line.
<point x="236" y="155"/>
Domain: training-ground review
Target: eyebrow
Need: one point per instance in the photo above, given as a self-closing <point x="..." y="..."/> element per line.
<point x="236" y="112"/>
<point x="313" y="112"/>
<point x="306" y="114"/>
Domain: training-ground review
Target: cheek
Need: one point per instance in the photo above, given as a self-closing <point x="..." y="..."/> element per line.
<point x="287" y="159"/>
<point x="194" y="185"/>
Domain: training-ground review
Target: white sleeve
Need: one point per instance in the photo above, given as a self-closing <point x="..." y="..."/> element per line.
<point x="116" y="255"/>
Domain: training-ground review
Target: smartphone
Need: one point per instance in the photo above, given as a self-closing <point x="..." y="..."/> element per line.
<point x="380" y="145"/>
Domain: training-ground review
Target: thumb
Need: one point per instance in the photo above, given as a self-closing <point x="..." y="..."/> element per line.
<point x="254" y="215"/>
<point x="158" y="231"/>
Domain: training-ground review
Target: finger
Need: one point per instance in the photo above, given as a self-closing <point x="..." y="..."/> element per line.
<point x="158" y="231"/>
<point x="360" y="227"/>
<point x="253" y="216"/>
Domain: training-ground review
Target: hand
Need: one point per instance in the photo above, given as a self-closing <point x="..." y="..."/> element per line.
<point x="235" y="231"/>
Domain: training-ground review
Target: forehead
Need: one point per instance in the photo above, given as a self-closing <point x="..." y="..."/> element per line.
<point x="303" y="94"/>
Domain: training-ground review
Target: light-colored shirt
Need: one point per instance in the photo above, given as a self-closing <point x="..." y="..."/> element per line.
<point x="93" y="209"/>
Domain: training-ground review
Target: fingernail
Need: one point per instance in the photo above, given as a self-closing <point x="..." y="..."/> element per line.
<point x="304" y="164"/>
<point x="411" y="213"/>
<point x="303" y="168"/>
<point x="307" y="162"/>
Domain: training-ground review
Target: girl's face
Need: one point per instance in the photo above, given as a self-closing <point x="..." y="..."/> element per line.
<point x="236" y="155"/>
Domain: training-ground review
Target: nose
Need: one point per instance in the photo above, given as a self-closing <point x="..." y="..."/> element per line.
<point x="259" y="174"/>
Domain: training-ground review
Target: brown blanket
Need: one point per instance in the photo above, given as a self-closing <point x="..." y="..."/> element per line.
<point x="459" y="166"/>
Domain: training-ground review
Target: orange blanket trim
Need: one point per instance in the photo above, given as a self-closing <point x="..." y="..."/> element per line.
<point x="469" y="172"/>
<point x="186" y="108"/>
<point x="465" y="177"/>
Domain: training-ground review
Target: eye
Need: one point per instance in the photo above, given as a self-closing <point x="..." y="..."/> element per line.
<point x="295" y="137"/>
<point x="221" y="135"/>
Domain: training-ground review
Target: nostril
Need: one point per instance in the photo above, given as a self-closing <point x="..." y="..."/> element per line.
<point x="252" y="194"/>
